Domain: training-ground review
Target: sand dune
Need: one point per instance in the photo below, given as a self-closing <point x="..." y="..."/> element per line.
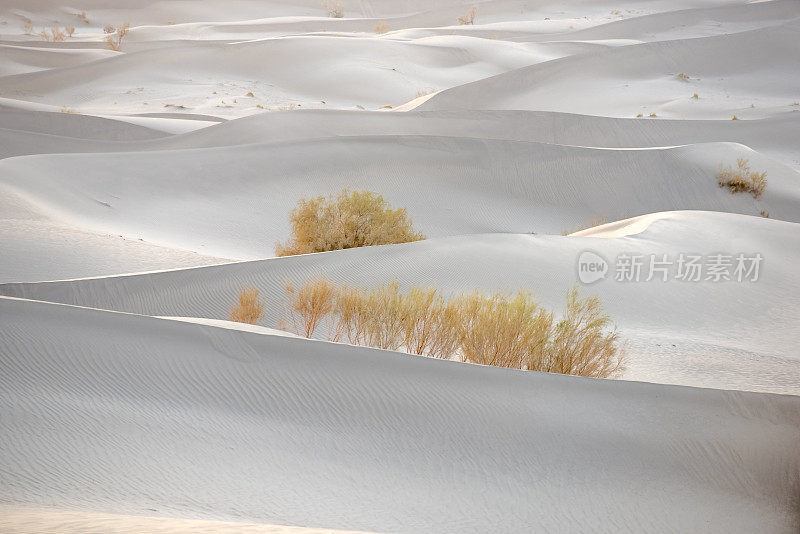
<point x="270" y="429"/>
<point x="727" y="72"/>
<point x="503" y="186"/>
<point x="141" y="189"/>
<point x="693" y="340"/>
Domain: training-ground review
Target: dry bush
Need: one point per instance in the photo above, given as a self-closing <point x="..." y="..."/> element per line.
<point x="381" y="27"/>
<point x="597" y="221"/>
<point x="683" y="76"/>
<point x="310" y="305"/>
<point x="695" y="96"/>
<point x="490" y="329"/>
<point x="382" y="314"/>
<point x="347" y="220"/>
<point x="108" y="28"/>
<point x="334" y="8"/>
<point x="114" y="39"/>
<point x="469" y="17"/>
<point x="423" y="313"/>
<point x="70" y="30"/>
<point x="27" y="27"/>
<point x="742" y="179"/>
<point x="371" y="318"/>
<point x="45" y="35"/>
<point x="584" y="342"/>
<point x="249" y="308"/>
<point x="502" y="330"/>
<point x="57" y="33"/>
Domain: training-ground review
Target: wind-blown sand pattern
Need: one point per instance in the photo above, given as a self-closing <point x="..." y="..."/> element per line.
<point x="141" y="189"/>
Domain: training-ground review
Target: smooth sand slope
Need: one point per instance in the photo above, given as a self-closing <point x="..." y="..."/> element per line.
<point x="141" y="189"/>
<point x="179" y="419"/>
<point x="692" y="339"/>
<point x="479" y="185"/>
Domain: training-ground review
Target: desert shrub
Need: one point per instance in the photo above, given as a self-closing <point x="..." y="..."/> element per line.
<point x="381" y="27"/>
<point x="502" y="330"/>
<point x="334" y="8"/>
<point x="597" y="221"/>
<point x="27" y="27"/>
<point x="489" y="329"/>
<point x="469" y="16"/>
<point x="69" y="30"/>
<point x="347" y="220"/>
<point x="584" y="342"/>
<point x="310" y="305"/>
<point x="683" y="76"/>
<point x="249" y="308"/>
<point x="114" y="39"/>
<point x="742" y="179"/>
<point x="108" y="28"/>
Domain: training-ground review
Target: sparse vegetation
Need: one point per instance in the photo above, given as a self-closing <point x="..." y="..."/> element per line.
<point x="765" y="214"/>
<point x="469" y="16"/>
<point x="114" y="39"/>
<point x="734" y="118"/>
<point x="502" y="330"/>
<point x="334" y="8"/>
<point x="310" y="304"/>
<point x="347" y="220"/>
<point x="638" y="115"/>
<point x="249" y="309"/>
<point x="652" y="115"/>
<point x="742" y="179"/>
<point x="597" y="221"/>
<point x="381" y="27"/>
<point x="695" y="96"/>
<point x="69" y="30"/>
<point x="27" y="27"/>
<point x="683" y="76"/>
<point x="424" y="92"/>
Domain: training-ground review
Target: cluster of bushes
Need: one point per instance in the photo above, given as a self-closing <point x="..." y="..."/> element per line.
<point x="742" y="179"/>
<point x="502" y="330"/>
<point x="346" y="220"/>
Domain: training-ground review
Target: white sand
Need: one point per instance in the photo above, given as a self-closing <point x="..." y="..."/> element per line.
<point x="141" y="189"/>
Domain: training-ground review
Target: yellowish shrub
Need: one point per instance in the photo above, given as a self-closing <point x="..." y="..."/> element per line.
<point x="114" y="40"/>
<point x="584" y="342"/>
<point x="311" y="304"/>
<point x="431" y="324"/>
<point x="742" y="179"/>
<point x="502" y="330"/>
<point x="347" y="220"/>
<point x="70" y="30"/>
<point x="381" y="27"/>
<point x="249" y="308"/>
<point x="490" y="329"/>
<point x="469" y="16"/>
